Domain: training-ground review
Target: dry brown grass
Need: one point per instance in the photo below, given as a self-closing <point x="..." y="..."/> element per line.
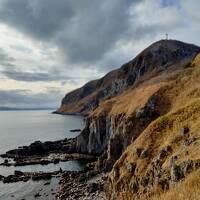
<point x="188" y="189"/>
<point x="181" y="92"/>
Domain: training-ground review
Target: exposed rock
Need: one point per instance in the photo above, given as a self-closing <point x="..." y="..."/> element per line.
<point x="175" y="170"/>
<point x="1" y="177"/>
<point x="94" y="138"/>
<point x="75" y="130"/>
<point x="138" y="152"/>
<point x="18" y="173"/>
<point x="164" y="152"/>
<point x="131" y="168"/>
<point x="37" y="148"/>
<point x="37" y="195"/>
<point x="185" y="130"/>
<point x="144" y="154"/>
<point x="6" y="161"/>
<point x="25" y="176"/>
<point x="47" y="183"/>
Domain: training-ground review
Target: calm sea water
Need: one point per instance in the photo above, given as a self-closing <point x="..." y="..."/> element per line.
<point x="19" y="128"/>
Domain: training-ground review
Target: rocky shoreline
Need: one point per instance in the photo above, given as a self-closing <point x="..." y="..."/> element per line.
<point x="45" y="153"/>
<point x="26" y="176"/>
<point x="86" y="184"/>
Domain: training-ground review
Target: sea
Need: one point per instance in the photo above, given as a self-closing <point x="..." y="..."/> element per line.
<point x="19" y="128"/>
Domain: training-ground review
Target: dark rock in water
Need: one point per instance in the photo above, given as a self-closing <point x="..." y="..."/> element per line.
<point x="1" y="177"/>
<point x="18" y="173"/>
<point x="44" y="162"/>
<point x="6" y="161"/>
<point x="37" y="195"/>
<point x="43" y="176"/>
<point x="56" y="161"/>
<point x="47" y="183"/>
<point x="60" y="170"/>
<point x="43" y="148"/>
<point x="75" y="130"/>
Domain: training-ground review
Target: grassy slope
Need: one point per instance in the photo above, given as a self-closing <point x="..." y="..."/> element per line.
<point x="179" y="97"/>
<point x="188" y="189"/>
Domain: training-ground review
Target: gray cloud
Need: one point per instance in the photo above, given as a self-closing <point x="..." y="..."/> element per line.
<point x="86" y="32"/>
<point x="37" y="76"/>
<point x="23" y="98"/>
<point x="83" y="30"/>
<point x="5" y="59"/>
<point x="41" y="19"/>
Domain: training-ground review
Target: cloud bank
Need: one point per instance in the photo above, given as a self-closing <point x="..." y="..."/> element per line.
<point x="64" y="42"/>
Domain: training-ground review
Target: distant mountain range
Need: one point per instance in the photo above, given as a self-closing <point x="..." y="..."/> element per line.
<point x="4" y="108"/>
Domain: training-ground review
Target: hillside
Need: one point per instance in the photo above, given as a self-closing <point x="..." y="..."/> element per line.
<point x="166" y="152"/>
<point x="157" y="57"/>
<point x="147" y="134"/>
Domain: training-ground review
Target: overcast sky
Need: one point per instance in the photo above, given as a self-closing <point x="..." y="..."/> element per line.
<point x="49" y="47"/>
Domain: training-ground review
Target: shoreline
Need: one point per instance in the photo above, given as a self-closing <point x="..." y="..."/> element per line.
<point x="68" y="113"/>
<point x="44" y="153"/>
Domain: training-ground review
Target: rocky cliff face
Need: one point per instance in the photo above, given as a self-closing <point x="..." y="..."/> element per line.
<point x="159" y="56"/>
<point x="134" y="117"/>
<point x="118" y="121"/>
<point x="112" y="134"/>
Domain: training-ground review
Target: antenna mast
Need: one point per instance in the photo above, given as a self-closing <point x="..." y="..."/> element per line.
<point x="167" y="36"/>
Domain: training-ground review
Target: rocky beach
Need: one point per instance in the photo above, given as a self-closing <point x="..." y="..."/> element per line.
<point x="86" y="184"/>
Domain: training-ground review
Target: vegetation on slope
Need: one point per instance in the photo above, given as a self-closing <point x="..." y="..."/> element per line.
<point x="187" y="189"/>
<point x="152" y="173"/>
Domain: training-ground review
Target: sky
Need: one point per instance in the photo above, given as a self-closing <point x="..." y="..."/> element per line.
<point x="48" y="47"/>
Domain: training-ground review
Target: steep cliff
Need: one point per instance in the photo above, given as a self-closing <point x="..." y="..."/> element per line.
<point x="144" y="121"/>
<point x="157" y="57"/>
<point x="118" y="121"/>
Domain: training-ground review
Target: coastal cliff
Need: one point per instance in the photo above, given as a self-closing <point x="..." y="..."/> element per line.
<point x="144" y="122"/>
<point x="157" y="57"/>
